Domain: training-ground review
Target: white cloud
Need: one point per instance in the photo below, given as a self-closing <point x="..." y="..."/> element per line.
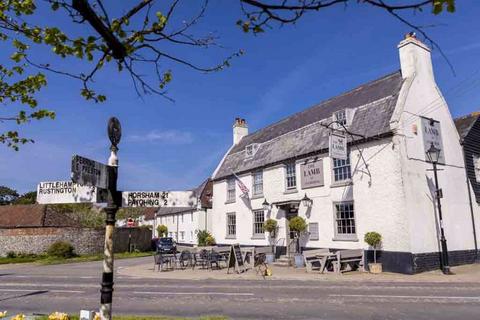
<point x="166" y="136"/>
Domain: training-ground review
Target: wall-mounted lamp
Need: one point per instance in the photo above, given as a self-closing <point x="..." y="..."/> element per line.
<point x="265" y="204"/>
<point x="307" y="202"/>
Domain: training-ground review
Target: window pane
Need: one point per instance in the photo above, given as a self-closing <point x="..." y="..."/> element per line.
<point x="258" y="220"/>
<point x="291" y="176"/>
<point x="344" y="218"/>
<point x="341" y="169"/>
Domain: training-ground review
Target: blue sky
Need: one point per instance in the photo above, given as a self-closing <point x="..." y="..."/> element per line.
<point x="176" y="145"/>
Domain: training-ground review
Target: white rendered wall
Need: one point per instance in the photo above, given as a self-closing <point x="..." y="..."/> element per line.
<point x="189" y="225"/>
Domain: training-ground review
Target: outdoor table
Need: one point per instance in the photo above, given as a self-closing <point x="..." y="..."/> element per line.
<point x="324" y="258"/>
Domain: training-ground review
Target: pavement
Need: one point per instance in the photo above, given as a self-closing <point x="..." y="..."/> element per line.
<point x="139" y="290"/>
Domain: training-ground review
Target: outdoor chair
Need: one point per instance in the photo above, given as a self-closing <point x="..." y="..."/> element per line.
<point x="200" y="258"/>
<point x="185" y="259"/>
<point x="160" y="261"/>
<point x="214" y="258"/>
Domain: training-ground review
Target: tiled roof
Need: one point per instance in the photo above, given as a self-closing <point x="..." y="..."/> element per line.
<point x="173" y="210"/>
<point x="303" y="132"/>
<point x="204" y="192"/>
<point x="149" y="213"/>
<point x="33" y="215"/>
<point x="465" y="123"/>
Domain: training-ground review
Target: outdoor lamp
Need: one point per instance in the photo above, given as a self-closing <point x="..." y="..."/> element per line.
<point x="433" y="154"/>
<point x="265" y="204"/>
<point x="307" y="202"/>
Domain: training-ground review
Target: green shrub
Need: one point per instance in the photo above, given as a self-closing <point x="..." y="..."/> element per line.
<point x="298" y="225"/>
<point x="373" y="239"/>
<point x="162" y="230"/>
<point x="61" y="249"/>
<point x="11" y="254"/>
<point x="205" y="238"/>
<point x="270" y="225"/>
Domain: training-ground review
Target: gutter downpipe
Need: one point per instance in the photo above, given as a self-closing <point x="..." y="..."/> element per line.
<point x="471" y="204"/>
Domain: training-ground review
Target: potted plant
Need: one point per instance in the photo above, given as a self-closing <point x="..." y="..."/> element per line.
<point x="162" y="231"/>
<point x="271" y="227"/>
<point x="298" y="225"/>
<point x="373" y="239"/>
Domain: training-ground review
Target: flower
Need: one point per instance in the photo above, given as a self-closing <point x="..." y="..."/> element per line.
<point x="3" y="314"/>
<point x="97" y="316"/>
<point x="19" y="317"/>
<point x="58" y="316"/>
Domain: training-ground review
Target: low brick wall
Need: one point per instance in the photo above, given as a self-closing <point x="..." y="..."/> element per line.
<point x="84" y="240"/>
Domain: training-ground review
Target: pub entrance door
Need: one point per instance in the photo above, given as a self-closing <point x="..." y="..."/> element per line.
<point x="290" y="212"/>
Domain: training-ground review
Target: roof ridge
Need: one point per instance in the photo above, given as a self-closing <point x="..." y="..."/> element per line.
<point x="327" y="100"/>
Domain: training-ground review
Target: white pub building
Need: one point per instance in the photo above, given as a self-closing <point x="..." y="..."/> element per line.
<point x="385" y="184"/>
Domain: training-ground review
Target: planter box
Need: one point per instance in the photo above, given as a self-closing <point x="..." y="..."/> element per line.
<point x="375" y="267"/>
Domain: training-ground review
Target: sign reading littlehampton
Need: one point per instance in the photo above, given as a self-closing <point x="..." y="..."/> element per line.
<point x="87" y="172"/>
<point x="338" y="146"/>
<point x="66" y="192"/>
<point x="158" y="199"/>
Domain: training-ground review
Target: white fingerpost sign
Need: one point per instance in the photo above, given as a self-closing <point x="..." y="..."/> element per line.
<point x="158" y="199"/>
<point x="337" y="147"/>
<point x="65" y="192"/>
<point x="432" y="134"/>
<point x="88" y="172"/>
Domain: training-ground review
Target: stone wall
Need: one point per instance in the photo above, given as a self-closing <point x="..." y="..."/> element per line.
<point x="84" y="240"/>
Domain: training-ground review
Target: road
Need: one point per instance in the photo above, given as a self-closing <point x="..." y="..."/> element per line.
<point x="69" y="288"/>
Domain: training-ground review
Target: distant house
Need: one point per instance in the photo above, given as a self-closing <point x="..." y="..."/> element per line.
<point x="183" y="223"/>
<point x="382" y="183"/>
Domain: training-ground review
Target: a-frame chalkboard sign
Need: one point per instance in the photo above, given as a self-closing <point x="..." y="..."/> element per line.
<point x="235" y="259"/>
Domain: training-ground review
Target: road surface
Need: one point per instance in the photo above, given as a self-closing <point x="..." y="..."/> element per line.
<point x="71" y="287"/>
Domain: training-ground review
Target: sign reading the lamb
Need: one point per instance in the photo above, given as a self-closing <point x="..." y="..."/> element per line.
<point x="87" y="172"/>
<point x="65" y="192"/>
<point x="338" y="146"/>
<point x="158" y="199"/>
<point x="145" y="198"/>
<point x="432" y="134"/>
<point x="312" y="174"/>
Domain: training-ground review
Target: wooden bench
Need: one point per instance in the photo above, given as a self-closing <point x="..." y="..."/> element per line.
<point x="312" y="261"/>
<point x="349" y="260"/>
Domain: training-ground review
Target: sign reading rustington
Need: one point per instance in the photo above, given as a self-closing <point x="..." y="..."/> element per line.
<point x="312" y="174"/>
<point x="65" y="192"/>
<point x="432" y="134"/>
<point x="158" y="199"/>
<point x="337" y="147"/>
<point x="88" y="172"/>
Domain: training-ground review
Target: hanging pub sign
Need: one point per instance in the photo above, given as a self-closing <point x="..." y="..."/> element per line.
<point x="337" y="147"/>
<point x="432" y="134"/>
<point x="312" y="174"/>
<point x="158" y="199"/>
<point x="67" y="192"/>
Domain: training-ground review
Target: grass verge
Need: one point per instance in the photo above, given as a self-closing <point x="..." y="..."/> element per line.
<point x="45" y="259"/>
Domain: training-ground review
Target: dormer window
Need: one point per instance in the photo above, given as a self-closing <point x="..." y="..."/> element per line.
<point x="250" y="150"/>
<point x="343" y="118"/>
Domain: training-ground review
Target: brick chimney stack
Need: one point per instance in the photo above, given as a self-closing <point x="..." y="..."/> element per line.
<point x="240" y="130"/>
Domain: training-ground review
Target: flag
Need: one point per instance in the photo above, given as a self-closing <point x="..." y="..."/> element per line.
<point x="242" y="187"/>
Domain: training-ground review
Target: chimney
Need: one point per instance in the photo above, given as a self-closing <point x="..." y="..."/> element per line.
<point x="415" y="57"/>
<point x="240" y="130"/>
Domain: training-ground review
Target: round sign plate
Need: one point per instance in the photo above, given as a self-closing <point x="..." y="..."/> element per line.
<point x="114" y="131"/>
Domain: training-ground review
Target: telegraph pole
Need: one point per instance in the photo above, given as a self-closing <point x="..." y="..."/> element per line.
<point x="114" y="134"/>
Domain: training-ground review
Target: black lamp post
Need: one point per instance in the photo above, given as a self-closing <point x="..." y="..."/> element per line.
<point x="433" y="154"/>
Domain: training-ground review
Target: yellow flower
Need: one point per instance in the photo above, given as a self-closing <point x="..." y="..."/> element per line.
<point x="97" y="316"/>
<point x="19" y="317"/>
<point x="3" y="314"/>
<point x="58" y="316"/>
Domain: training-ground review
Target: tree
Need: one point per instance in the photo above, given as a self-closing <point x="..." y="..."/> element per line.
<point x="162" y="231"/>
<point x="373" y="239"/>
<point x="7" y="195"/>
<point x="144" y="37"/>
<point x="297" y="225"/>
<point x="27" y="198"/>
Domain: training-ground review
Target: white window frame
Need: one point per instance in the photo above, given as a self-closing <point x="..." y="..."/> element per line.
<point x="347" y="230"/>
<point x="231" y="189"/>
<point x="257" y="183"/>
<point x="257" y="224"/>
<point x="341" y="170"/>
<point x="313" y="236"/>
<point x="182" y="235"/>
<point x="476" y="167"/>
<point x="290" y="175"/>
<point x="250" y="150"/>
<point x="231" y="225"/>
<point x="342" y="120"/>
